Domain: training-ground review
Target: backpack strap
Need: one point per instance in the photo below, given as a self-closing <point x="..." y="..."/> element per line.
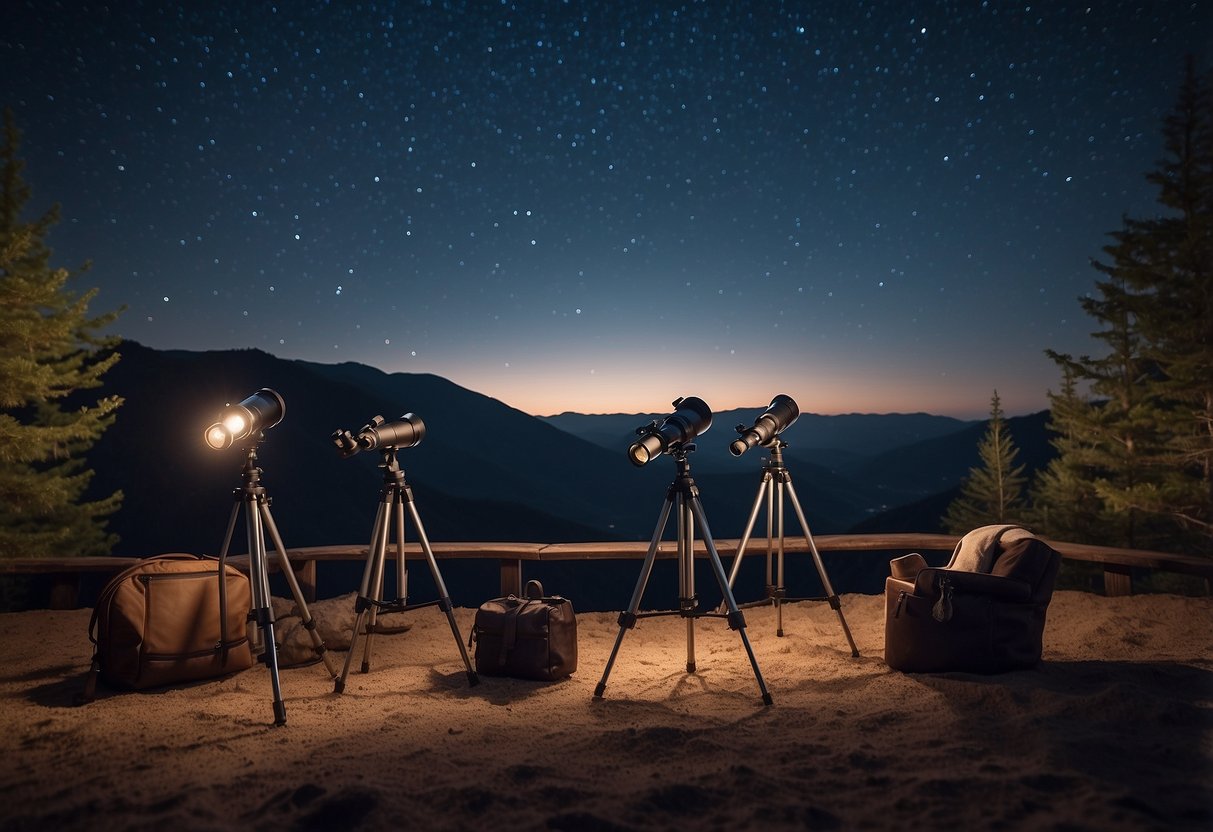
<point x="224" y="636"/>
<point x="89" y="692"/>
<point x="509" y="633"/>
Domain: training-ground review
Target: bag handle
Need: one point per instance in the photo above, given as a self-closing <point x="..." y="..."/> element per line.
<point x="533" y="591"/>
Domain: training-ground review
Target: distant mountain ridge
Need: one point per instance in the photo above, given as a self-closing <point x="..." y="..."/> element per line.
<point x="485" y="471"/>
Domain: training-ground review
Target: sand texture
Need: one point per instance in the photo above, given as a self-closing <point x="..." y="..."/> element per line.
<point x="1113" y="731"/>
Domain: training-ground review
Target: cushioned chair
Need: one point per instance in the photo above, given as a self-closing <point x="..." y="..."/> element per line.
<point x="984" y="612"/>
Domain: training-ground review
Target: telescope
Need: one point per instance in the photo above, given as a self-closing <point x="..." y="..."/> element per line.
<point x="777" y="418"/>
<point x="690" y="418"/>
<point x="259" y="412"/>
<point x="248" y="421"/>
<point x="405" y="432"/>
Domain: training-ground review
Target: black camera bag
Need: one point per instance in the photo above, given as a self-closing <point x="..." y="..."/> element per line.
<point x="534" y="637"/>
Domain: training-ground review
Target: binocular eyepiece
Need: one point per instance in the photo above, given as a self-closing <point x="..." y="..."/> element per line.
<point x="405" y="432"/>
<point x="690" y="418"/>
<point x="777" y="418"/>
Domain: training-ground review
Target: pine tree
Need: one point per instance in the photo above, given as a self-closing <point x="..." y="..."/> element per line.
<point x="1064" y="502"/>
<point x="1113" y="439"/>
<point x="994" y="491"/>
<point x="1146" y="439"/>
<point x="1169" y="261"/>
<point x="49" y="350"/>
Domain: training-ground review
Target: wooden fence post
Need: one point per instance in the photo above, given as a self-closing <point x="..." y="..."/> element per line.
<point x="511" y="577"/>
<point x="1117" y="580"/>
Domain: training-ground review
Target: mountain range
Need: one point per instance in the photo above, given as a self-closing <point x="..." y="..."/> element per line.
<point x="484" y="470"/>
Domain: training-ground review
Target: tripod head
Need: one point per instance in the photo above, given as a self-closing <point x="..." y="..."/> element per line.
<point x="250" y="474"/>
<point x="393" y="474"/>
<point x="775" y="462"/>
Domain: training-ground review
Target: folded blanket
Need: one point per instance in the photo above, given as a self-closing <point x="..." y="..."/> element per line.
<point x="977" y="550"/>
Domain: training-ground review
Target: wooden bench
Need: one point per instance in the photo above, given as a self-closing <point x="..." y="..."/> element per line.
<point x="1117" y="563"/>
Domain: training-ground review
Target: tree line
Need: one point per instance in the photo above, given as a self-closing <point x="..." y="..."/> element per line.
<point x="1132" y="427"/>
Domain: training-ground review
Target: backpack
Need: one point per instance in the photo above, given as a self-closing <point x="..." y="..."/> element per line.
<point x="168" y="619"/>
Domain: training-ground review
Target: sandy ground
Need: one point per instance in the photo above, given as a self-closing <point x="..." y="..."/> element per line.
<point x="1113" y="731"/>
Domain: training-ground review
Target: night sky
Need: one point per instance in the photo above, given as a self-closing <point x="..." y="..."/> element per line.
<point x="601" y="206"/>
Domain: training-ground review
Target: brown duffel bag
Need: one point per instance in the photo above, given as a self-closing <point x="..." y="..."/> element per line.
<point x="528" y="638"/>
<point x="169" y="619"/>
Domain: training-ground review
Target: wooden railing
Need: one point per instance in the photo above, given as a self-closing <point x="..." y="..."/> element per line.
<point x="1117" y="563"/>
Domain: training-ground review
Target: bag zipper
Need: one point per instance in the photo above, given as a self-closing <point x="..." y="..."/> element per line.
<point x="942" y="611"/>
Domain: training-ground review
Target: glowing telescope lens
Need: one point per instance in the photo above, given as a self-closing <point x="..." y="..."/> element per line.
<point x="218" y="438"/>
<point x="259" y="412"/>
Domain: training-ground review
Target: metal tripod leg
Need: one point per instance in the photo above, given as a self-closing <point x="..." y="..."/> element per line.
<point x="690" y="513"/>
<point x="380" y="545"/>
<point x="395" y="514"/>
<point x="774" y="587"/>
<point x="749" y="526"/>
<point x="736" y="619"/>
<point x="370" y="593"/>
<point x="686" y="574"/>
<point x="627" y="618"/>
<point x="365" y="601"/>
<point x="443" y="595"/>
<point x="821" y="570"/>
<point x="779" y="591"/>
<point x="772" y="487"/>
<point x="261" y="612"/>
<point x="288" y="571"/>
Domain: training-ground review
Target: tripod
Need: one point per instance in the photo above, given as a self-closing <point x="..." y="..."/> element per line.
<point x="683" y="495"/>
<point x="775" y="480"/>
<point x="395" y="496"/>
<point x="258" y="520"/>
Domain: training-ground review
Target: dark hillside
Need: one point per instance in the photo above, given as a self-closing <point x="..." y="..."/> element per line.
<point x="179" y="492"/>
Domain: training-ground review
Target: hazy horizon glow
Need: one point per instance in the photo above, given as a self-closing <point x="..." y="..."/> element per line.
<point x="598" y="207"/>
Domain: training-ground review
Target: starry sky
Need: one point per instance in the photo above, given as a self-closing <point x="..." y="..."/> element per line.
<point x="599" y="206"/>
